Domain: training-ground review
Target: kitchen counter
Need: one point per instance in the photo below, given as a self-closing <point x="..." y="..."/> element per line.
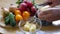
<point x="44" y="29"/>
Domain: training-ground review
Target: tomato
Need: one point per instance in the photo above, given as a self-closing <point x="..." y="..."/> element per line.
<point x="26" y="15"/>
<point x="18" y="17"/>
<point x="17" y="12"/>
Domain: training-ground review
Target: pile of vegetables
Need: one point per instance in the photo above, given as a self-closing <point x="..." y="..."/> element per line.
<point x="23" y="11"/>
<point x="29" y="6"/>
<point x="9" y="17"/>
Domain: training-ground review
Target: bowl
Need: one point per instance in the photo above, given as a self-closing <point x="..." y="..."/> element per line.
<point x="31" y="26"/>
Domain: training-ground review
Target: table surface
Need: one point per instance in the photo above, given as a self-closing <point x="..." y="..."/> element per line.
<point x="44" y="29"/>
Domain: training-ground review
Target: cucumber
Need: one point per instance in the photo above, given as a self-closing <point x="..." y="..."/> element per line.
<point x="7" y="20"/>
<point x="12" y="20"/>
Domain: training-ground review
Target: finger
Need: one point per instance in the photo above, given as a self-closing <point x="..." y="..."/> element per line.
<point x="42" y="17"/>
<point x="50" y="17"/>
<point x="46" y="17"/>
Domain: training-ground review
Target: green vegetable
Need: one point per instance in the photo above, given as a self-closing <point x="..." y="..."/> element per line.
<point x="7" y="20"/>
<point x="19" y="1"/>
<point x="12" y="20"/>
<point x="33" y="1"/>
<point x="36" y="6"/>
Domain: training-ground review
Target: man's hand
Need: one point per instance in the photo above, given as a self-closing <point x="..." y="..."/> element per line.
<point x="49" y="15"/>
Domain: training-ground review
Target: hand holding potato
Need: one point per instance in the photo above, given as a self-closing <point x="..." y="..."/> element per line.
<point x="50" y="14"/>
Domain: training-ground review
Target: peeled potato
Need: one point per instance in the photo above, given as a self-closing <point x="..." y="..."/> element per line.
<point x="32" y="28"/>
<point x="27" y="26"/>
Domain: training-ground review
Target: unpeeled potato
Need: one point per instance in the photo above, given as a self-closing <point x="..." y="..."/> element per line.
<point x="12" y="8"/>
